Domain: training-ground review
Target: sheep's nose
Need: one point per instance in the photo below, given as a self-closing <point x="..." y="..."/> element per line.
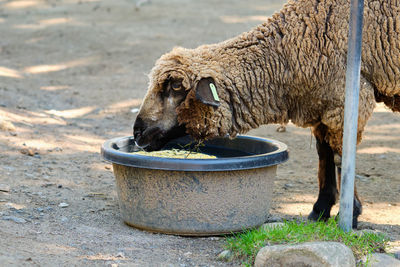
<point x="138" y="128"/>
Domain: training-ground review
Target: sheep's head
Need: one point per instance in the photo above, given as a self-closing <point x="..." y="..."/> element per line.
<point x="182" y="99"/>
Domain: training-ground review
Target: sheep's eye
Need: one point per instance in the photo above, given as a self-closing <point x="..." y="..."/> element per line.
<point x="176" y="85"/>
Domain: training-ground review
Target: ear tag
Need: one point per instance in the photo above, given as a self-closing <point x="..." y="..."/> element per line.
<point x="214" y="92"/>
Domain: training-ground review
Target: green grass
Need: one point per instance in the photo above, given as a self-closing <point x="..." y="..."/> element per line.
<point x="246" y="245"/>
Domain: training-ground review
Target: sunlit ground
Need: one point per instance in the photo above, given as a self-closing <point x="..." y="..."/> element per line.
<point x="73" y="74"/>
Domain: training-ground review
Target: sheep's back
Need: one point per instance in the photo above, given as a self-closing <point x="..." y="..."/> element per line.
<point x="381" y="46"/>
<point x="315" y="33"/>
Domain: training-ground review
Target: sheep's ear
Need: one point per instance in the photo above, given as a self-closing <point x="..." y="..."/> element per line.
<point x="207" y="92"/>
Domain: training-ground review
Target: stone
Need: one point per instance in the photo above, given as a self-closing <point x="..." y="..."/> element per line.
<point x="225" y="255"/>
<point x="310" y="254"/>
<point x="63" y="205"/>
<point x="14" y="219"/>
<point x="396" y="252"/>
<point x="273" y="218"/>
<point x="27" y="151"/>
<point x="135" y="110"/>
<point x="6" y="126"/>
<point x="4" y="188"/>
<point x="281" y="129"/>
<point x="381" y="259"/>
<point x="287" y="186"/>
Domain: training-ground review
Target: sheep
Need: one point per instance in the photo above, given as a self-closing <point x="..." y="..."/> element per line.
<point x="290" y="68"/>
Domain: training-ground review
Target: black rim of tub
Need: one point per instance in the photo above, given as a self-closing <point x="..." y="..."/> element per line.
<point x="262" y="153"/>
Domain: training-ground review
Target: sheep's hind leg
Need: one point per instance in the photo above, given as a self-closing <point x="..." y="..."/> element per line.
<point x="326" y="177"/>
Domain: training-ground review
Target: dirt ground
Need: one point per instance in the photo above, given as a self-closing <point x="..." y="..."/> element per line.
<point x="71" y="71"/>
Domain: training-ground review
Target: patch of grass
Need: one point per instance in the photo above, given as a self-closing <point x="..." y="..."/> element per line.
<point x="246" y="245"/>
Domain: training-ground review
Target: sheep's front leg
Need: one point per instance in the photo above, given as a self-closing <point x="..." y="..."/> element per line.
<point x="326" y="177"/>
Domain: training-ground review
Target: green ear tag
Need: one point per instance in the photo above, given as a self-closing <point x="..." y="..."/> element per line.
<point x="214" y="92"/>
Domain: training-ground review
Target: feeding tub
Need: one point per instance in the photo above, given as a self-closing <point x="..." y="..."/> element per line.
<point x="196" y="196"/>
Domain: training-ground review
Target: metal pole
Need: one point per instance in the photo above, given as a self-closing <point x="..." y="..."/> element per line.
<point x="351" y="114"/>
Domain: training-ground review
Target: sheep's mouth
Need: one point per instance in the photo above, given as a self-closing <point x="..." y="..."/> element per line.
<point x="154" y="138"/>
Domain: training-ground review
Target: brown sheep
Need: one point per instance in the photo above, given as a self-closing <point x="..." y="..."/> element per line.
<point x="290" y="68"/>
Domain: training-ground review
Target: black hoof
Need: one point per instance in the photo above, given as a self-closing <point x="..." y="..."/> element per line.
<point x="357" y="210"/>
<point x="318" y="216"/>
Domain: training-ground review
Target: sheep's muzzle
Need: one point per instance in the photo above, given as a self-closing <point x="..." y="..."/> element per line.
<point x="153" y="137"/>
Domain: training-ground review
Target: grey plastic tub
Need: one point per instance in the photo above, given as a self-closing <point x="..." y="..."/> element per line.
<point x="197" y="196"/>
